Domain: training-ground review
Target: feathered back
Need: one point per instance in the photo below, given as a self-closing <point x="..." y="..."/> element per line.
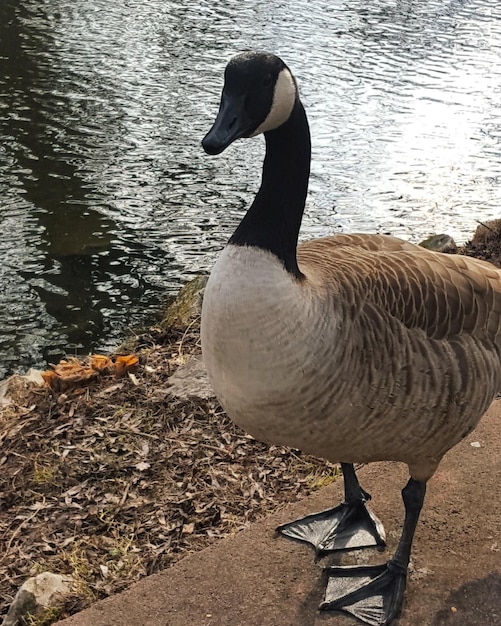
<point x="443" y="295"/>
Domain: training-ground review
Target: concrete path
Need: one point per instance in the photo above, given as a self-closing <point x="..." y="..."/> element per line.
<point x="257" y="579"/>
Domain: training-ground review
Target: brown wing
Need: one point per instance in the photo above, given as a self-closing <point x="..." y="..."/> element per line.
<point x="444" y="295"/>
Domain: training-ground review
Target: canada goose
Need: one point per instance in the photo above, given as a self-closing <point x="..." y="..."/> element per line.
<point x="355" y="348"/>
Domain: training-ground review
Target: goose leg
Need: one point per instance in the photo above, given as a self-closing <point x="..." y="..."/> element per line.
<point x="347" y="526"/>
<point x="374" y="594"/>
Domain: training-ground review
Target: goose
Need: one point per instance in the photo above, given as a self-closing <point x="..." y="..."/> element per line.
<point x="354" y="348"/>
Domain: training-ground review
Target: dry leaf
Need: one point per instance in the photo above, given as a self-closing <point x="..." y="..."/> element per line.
<point x="101" y="363"/>
<point x="34" y="376"/>
<point x="67" y="374"/>
<point x="125" y="363"/>
<point x="133" y="379"/>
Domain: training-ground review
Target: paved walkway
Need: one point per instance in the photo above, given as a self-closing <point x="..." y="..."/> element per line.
<point x="257" y="579"/>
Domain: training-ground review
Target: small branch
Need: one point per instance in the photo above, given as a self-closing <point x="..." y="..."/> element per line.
<point x="485" y="226"/>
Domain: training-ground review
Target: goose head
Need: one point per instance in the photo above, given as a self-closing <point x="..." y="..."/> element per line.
<point x="258" y="96"/>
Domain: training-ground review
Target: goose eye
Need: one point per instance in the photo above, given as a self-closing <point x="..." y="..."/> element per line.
<point x="267" y="81"/>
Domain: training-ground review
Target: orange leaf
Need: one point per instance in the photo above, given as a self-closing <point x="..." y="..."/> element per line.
<point x="68" y="374"/>
<point x="101" y="363"/>
<point x="125" y="363"/>
<point x="128" y="360"/>
<point x="50" y="379"/>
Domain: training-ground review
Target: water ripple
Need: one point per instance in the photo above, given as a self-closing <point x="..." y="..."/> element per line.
<point x="107" y="202"/>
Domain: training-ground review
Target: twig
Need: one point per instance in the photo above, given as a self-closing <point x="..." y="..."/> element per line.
<point x="185" y="333"/>
<point x="124" y="496"/>
<point x="485" y="226"/>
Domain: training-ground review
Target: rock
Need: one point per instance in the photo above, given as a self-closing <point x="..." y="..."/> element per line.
<point x="190" y="381"/>
<point x="187" y="306"/>
<point x="440" y="243"/>
<point x="36" y="595"/>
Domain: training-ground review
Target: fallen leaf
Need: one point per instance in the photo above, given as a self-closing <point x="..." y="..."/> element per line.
<point x="68" y="374"/>
<point x="133" y="379"/>
<point x="101" y="363"/>
<point x="34" y="376"/>
<point x="125" y="363"/>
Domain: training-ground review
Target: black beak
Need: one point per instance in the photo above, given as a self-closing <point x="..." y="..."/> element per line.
<point x="232" y="122"/>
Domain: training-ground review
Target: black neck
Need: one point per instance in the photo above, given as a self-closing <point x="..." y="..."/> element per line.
<point x="274" y="218"/>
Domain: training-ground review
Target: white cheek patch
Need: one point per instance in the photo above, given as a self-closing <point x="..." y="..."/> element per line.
<point x="283" y="103"/>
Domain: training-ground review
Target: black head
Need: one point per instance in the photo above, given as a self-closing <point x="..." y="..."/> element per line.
<point x="258" y="95"/>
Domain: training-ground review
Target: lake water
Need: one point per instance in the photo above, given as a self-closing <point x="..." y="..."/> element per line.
<point x="107" y="201"/>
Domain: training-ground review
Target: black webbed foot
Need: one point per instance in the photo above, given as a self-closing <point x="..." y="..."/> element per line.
<point x="349" y="526"/>
<point x="372" y="594"/>
<point x="375" y="594"/>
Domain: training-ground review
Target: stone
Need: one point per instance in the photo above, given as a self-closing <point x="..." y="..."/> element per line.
<point x="36" y="595"/>
<point x="190" y="381"/>
<point x="440" y="243"/>
<point x="187" y="306"/>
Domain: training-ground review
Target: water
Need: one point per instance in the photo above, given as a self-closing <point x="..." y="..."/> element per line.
<point x="107" y="202"/>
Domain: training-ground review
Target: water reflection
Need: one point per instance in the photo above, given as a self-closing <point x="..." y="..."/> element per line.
<point x="106" y="200"/>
